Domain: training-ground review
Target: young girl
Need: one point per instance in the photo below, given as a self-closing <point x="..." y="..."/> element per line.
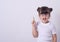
<point x="44" y="30"/>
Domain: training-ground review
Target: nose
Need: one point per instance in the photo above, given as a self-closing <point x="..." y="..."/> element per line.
<point x="44" y="16"/>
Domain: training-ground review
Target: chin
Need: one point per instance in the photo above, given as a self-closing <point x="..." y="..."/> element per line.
<point x="44" y="21"/>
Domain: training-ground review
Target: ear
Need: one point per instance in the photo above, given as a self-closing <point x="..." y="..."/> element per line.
<point x="38" y="9"/>
<point x="50" y="9"/>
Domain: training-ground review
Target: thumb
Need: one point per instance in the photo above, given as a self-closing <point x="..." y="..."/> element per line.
<point x="33" y="20"/>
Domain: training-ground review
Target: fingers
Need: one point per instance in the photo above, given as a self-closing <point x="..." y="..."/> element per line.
<point x="33" y="21"/>
<point x="34" y="24"/>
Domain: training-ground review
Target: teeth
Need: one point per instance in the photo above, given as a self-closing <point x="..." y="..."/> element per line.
<point x="44" y="18"/>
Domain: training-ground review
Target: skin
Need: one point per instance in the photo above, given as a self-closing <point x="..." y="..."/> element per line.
<point x="44" y="19"/>
<point x="34" y="29"/>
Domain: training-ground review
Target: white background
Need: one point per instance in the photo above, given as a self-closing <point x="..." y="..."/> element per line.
<point x="16" y="17"/>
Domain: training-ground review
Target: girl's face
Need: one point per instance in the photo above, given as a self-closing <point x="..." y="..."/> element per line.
<point x="44" y="17"/>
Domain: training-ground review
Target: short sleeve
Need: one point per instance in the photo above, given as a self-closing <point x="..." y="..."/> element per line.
<point x="53" y="30"/>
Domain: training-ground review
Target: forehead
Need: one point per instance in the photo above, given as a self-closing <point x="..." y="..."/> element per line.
<point x="45" y="14"/>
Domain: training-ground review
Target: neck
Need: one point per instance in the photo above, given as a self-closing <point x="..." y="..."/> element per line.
<point x="45" y="22"/>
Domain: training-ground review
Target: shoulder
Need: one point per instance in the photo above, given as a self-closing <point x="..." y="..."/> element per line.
<point x="38" y="23"/>
<point x="52" y="25"/>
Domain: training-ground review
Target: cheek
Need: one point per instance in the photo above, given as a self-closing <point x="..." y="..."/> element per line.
<point x="47" y="16"/>
<point x="40" y="17"/>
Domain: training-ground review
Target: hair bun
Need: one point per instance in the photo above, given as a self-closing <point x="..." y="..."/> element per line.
<point x="38" y="9"/>
<point x="50" y="9"/>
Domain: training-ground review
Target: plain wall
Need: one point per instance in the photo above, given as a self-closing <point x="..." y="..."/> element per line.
<point x="16" y="17"/>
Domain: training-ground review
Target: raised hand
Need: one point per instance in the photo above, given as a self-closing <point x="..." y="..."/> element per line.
<point x="34" y="28"/>
<point x="34" y="23"/>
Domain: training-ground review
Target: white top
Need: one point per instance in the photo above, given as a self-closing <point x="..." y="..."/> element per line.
<point x="45" y="32"/>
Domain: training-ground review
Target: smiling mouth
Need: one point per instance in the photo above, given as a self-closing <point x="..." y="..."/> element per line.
<point x="44" y="18"/>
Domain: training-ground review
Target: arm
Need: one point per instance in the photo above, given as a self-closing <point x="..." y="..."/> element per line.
<point x="34" y="29"/>
<point x="54" y="38"/>
<point x="34" y="32"/>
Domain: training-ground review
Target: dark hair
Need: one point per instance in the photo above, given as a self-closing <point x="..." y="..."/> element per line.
<point x="44" y="10"/>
